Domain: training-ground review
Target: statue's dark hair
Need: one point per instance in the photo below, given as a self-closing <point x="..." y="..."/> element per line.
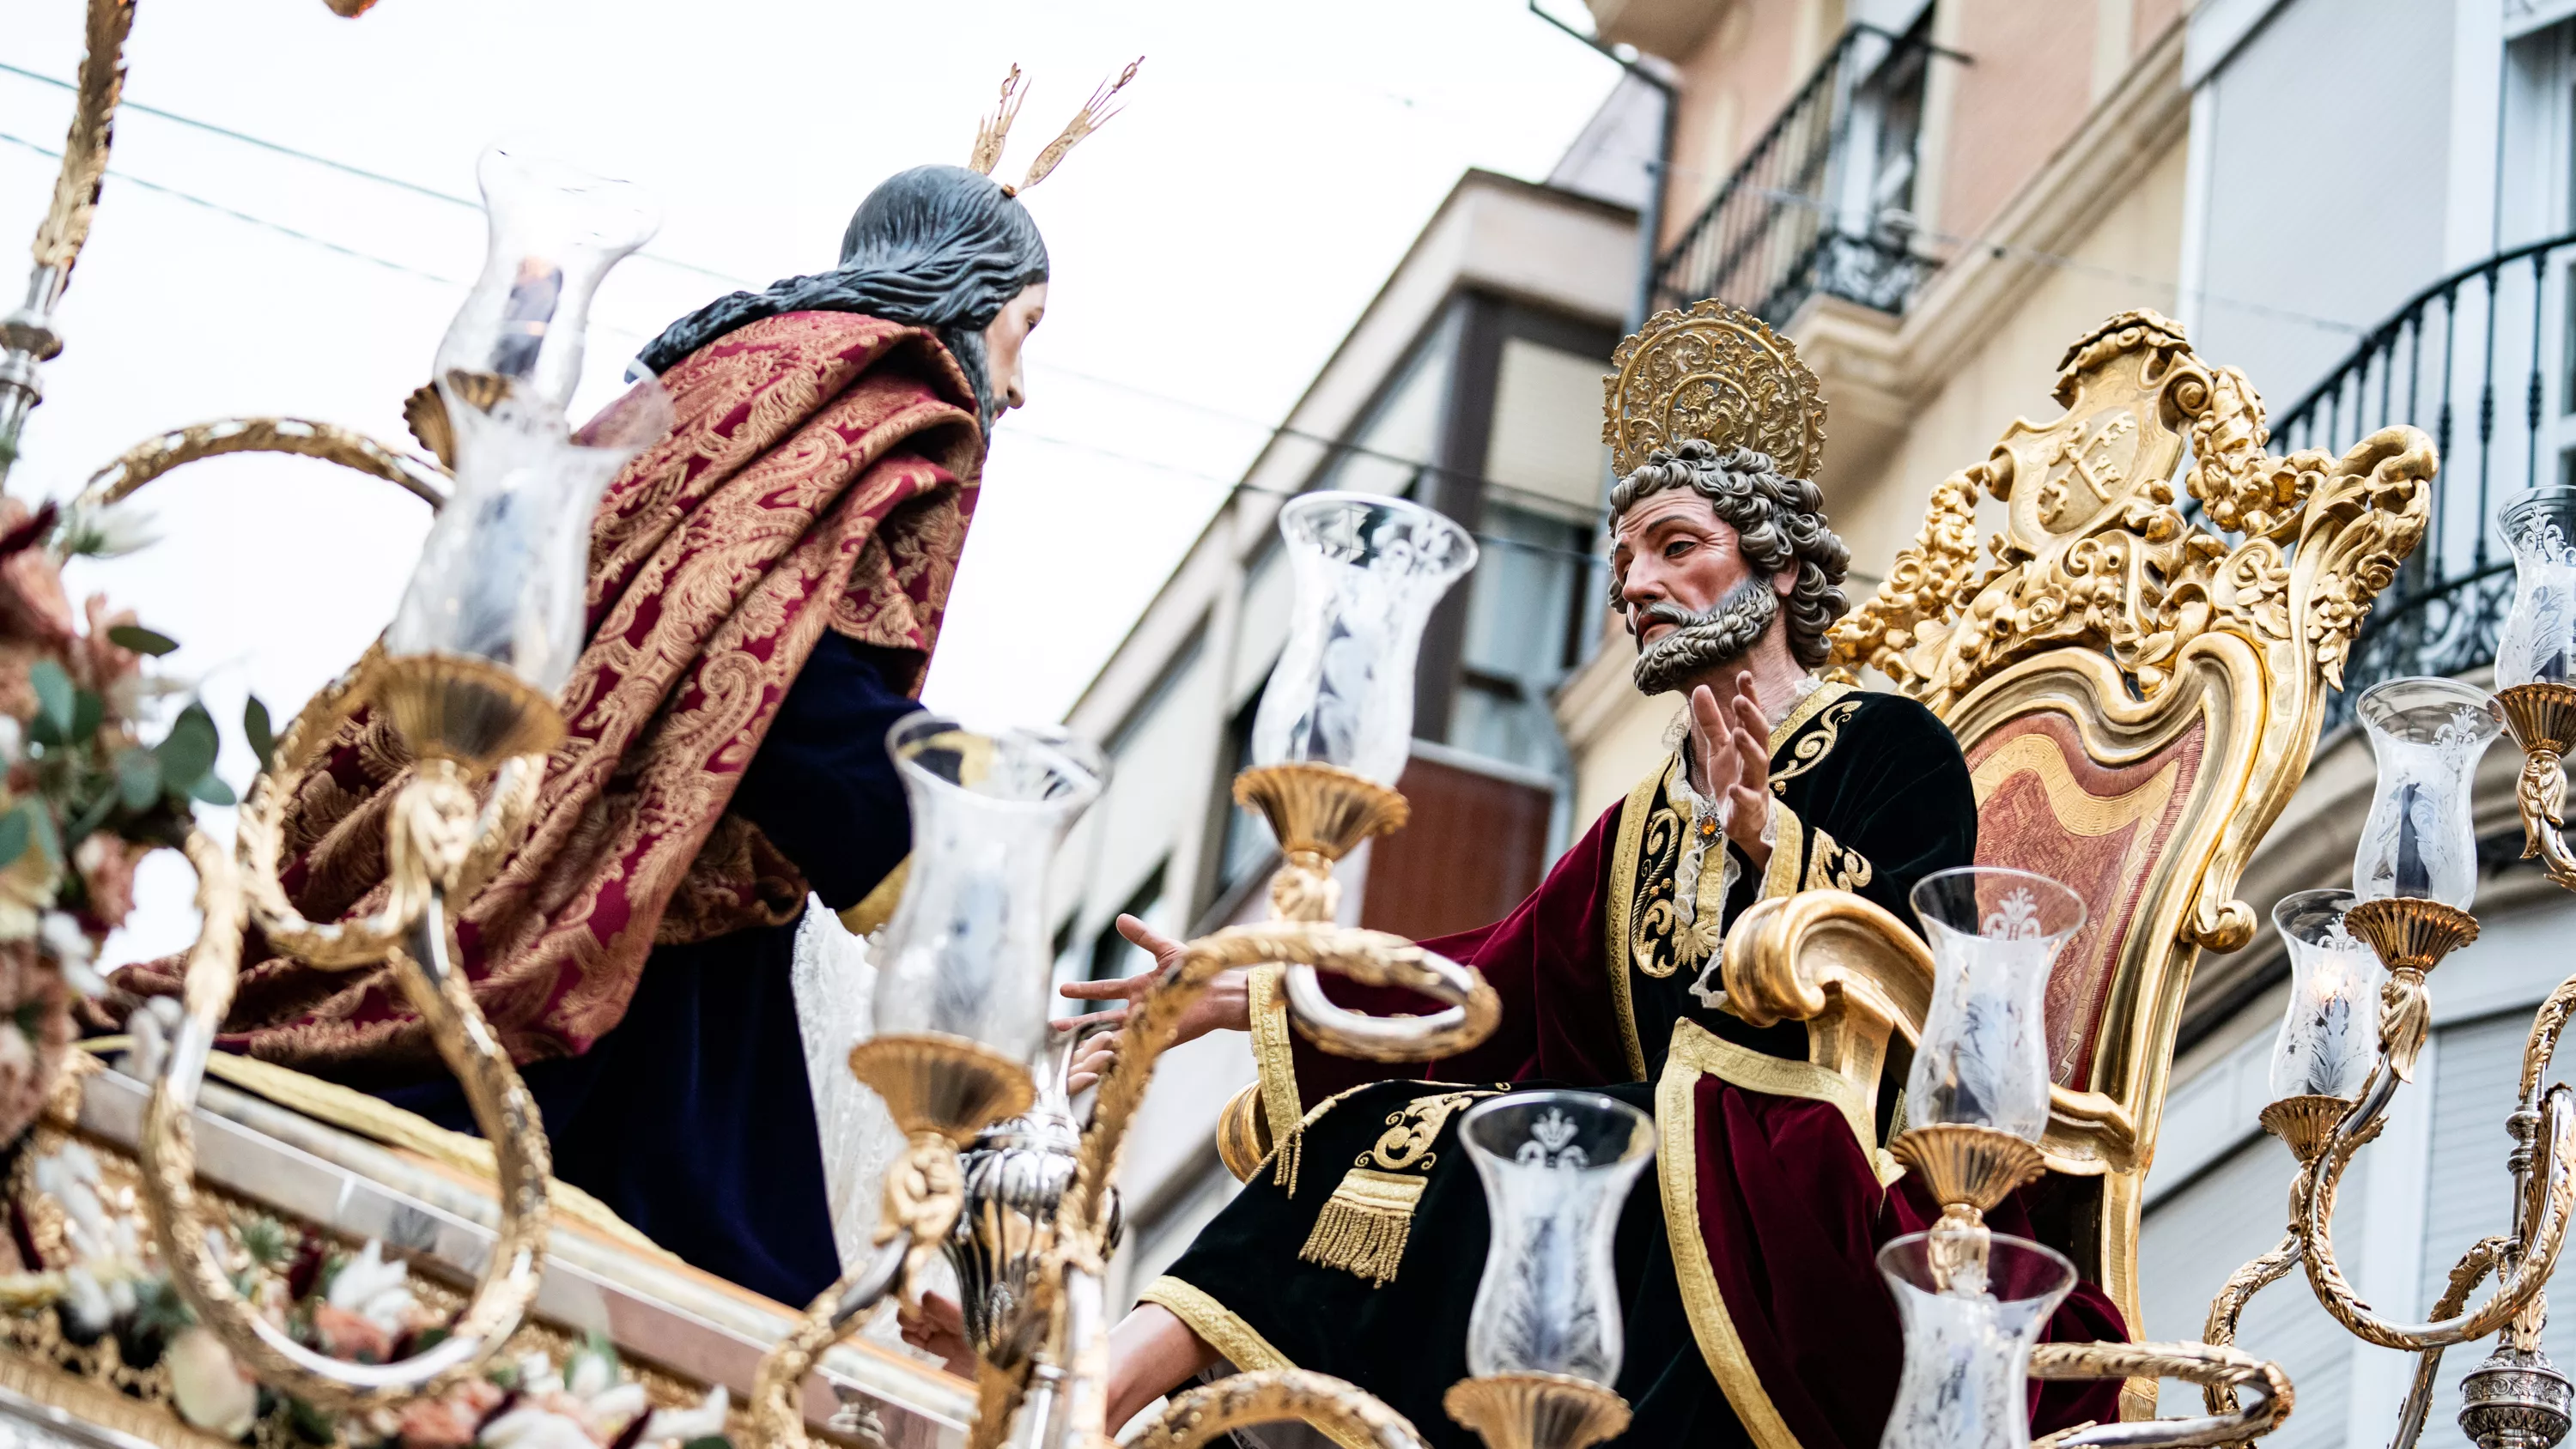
<point x="935" y="246"/>
<point x="1779" y="523"/>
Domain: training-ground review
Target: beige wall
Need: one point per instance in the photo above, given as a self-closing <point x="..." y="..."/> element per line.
<point x="1742" y="73"/>
<point x="2126" y="261"/>
<point x="2024" y="92"/>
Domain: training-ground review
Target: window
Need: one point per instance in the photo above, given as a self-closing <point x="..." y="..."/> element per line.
<point x="1245" y="842"/>
<point x="1113" y="956"/>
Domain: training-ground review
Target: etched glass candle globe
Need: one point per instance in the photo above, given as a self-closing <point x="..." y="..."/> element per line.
<point x="2418" y="840"/>
<point x="1983" y="1060"/>
<point x="2330" y="1032"/>
<point x="1965" y="1381"/>
<point x="2537" y="644"/>
<point x="1556" y="1168"/>
<point x="1368" y="571"/>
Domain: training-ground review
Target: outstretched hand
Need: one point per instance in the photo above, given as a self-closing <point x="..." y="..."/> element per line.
<point x="1226" y="1004"/>
<point x="1731" y="762"/>
<point x="938" y="1327"/>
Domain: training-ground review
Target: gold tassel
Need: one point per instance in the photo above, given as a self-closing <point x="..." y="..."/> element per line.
<point x="1284" y="1159"/>
<point x="1365" y="1224"/>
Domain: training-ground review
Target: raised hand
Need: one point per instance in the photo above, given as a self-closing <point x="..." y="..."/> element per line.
<point x="1731" y="761"/>
<point x="1225" y="1005"/>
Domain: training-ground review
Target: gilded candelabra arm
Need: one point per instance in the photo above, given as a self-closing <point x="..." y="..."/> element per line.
<point x="2541" y="1229"/>
<point x="2214" y="1367"/>
<point x="2229" y="1306"/>
<point x="1348" y="1413"/>
<point x="1378" y="958"/>
<point x="776" y="1409"/>
<point x="329" y="442"/>
<point x="2543" y="720"/>
<point x="502" y="1109"/>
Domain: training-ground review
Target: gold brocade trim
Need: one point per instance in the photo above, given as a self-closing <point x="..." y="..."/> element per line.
<point x="1221" y="1329"/>
<point x="1788" y="845"/>
<point x="381" y="1121"/>
<point x="1828" y="731"/>
<point x="1276" y="1062"/>
<point x="1701" y="1050"/>
<point x="1623" y="884"/>
<point x="877" y="907"/>
<point x="1677" y="1167"/>
<point x="1832" y="865"/>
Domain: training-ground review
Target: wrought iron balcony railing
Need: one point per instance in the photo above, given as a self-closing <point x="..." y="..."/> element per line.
<point x="1819" y="204"/>
<point x="2485" y="361"/>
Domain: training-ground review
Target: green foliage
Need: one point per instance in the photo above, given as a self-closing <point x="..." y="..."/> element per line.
<point x="266" y="1240"/>
<point x="261" y="735"/>
<point x="141" y="640"/>
<point x="159" y="1311"/>
<point x="55" y="703"/>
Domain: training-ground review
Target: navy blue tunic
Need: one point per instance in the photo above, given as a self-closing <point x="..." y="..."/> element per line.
<point x="692" y="1118"/>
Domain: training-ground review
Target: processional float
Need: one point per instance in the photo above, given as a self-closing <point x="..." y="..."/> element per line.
<point x="1021" y="1200"/>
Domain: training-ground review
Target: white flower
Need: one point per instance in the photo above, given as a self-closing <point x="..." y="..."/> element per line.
<point x="84" y="1302"/>
<point x="210" y="1389"/>
<point x="17" y="1053"/>
<point x="119" y="528"/>
<point x="705" y="1421"/>
<point x="12" y="736"/>
<point x="62" y="938"/>
<point x="529" y="1427"/>
<point x="587" y="1375"/>
<point x="153" y="1026"/>
<point x="375" y="1290"/>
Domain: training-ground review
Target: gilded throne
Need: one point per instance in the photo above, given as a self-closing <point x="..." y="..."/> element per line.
<point x="2138" y="692"/>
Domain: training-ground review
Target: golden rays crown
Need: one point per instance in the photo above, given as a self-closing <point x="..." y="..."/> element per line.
<point x="1714" y="373"/>
<point x="996" y="128"/>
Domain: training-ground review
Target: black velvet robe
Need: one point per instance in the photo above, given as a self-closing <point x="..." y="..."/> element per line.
<point x="693" y="1119"/>
<point x="1753" y="1310"/>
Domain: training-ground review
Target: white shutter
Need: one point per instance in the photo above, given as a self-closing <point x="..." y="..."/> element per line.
<point x="2201" y="1233"/>
<point x="2467" y="1194"/>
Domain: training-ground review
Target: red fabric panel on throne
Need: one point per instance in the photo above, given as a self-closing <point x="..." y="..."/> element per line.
<point x="2046" y="806"/>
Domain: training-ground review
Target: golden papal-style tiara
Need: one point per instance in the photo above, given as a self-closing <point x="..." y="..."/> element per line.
<point x="996" y="128"/>
<point x="1714" y="373"/>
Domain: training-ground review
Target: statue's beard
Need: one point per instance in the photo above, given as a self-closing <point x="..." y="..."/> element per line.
<point x="1704" y="640"/>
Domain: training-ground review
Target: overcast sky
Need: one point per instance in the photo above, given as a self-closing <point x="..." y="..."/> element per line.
<point x="1210" y="247"/>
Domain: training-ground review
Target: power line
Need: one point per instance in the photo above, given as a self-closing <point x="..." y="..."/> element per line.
<point x="343" y="167"/>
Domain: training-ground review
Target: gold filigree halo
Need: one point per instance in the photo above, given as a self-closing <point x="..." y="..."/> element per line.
<point x="1718" y="374"/>
<point x="995" y="131"/>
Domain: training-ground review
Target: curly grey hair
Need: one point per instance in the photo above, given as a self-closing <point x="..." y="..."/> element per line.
<point x="1779" y="523"/>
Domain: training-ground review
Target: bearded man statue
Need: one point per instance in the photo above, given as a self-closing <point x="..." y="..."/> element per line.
<point x="1753" y="1309"/>
<point x="766" y="588"/>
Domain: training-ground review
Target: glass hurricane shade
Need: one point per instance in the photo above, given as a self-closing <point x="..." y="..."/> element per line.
<point x="1965" y="1382"/>
<point x="554" y="231"/>
<point x="2330" y="1033"/>
<point x="1556" y="1167"/>
<point x="1983" y="1060"/>
<point x="1368" y="571"/>
<point x="503" y="573"/>
<point x="2537" y="644"/>
<point x="967" y="953"/>
<point x="2418" y="840"/>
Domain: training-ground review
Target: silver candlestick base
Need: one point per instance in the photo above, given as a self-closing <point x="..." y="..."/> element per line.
<point x="2515" y="1400"/>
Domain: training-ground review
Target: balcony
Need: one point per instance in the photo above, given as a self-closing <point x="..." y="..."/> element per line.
<point x="1821" y="203"/>
<point x="2481" y="360"/>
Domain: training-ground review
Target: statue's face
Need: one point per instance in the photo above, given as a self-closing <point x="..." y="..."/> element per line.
<point x="1003" y="337"/>
<point x="1671" y="548"/>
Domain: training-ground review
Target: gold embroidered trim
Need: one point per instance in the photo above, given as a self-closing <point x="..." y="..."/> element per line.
<point x="1677" y="1168"/>
<point x="1657" y="944"/>
<point x="1788" y="846"/>
<point x="1702" y="1050"/>
<point x="1276" y="1062"/>
<point x="1221" y="1329"/>
<point x="1832" y="865"/>
<point x="1365" y="1224"/>
<point x="1623" y="887"/>
<point x="1829" y="700"/>
<point x="877" y="906"/>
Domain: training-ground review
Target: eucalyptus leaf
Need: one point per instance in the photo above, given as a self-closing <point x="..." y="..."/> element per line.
<point x="87" y="711"/>
<point x="210" y="787"/>
<point x="262" y="735"/>
<point x="188" y="751"/>
<point x="40" y="821"/>
<point x="91" y="818"/>
<point x="14" y="837"/>
<point x="138" y="778"/>
<point x="54" y="695"/>
<point x="141" y="640"/>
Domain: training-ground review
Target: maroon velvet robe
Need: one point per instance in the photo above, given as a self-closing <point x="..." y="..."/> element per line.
<point x="1772" y="1201"/>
